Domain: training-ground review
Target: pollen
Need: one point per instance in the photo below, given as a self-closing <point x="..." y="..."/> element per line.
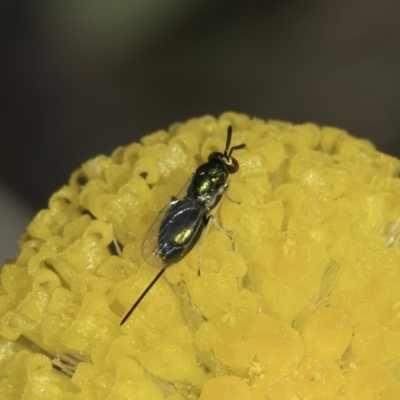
<point x="298" y="296"/>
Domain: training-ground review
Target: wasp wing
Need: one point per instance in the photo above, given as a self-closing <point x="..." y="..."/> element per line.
<point x="150" y="245"/>
<point x="150" y="241"/>
<point x="174" y="233"/>
<point x="183" y="191"/>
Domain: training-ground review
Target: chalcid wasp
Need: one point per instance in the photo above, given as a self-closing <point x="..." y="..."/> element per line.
<point x="181" y="222"/>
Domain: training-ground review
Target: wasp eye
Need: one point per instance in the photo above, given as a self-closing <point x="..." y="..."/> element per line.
<point x="213" y="155"/>
<point x="233" y="167"/>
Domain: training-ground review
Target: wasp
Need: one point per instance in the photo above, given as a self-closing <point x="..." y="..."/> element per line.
<point x="181" y="222"/>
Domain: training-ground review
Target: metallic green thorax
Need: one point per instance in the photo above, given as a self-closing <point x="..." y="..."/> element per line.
<point x="209" y="179"/>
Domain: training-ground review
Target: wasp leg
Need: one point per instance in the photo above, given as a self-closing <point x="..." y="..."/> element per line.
<point x="210" y="219"/>
<point x="226" y="194"/>
<point x="225" y="232"/>
<point x="173" y="200"/>
<point x="233" y="201"/>
<point x="117" y="247"/>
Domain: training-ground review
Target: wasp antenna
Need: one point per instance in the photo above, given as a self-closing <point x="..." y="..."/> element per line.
<point x="240" y="146"/>
<point x="228" y="139"/>
<point x="132" y="309"/>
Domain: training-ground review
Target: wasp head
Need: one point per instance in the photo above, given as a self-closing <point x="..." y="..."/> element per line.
<point x="226" y="157"/>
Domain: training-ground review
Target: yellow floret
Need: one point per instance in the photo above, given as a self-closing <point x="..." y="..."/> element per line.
<point x="298" y="297"/>
<point x="327" y="333"/>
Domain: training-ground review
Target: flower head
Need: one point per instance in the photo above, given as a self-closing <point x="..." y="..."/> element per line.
<point x="299" y="287"/>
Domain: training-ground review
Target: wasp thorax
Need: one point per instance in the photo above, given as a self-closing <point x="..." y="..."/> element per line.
<point x="231" y="164"/>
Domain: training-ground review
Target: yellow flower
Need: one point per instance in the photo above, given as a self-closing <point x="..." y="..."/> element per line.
<point x="300" y="301"/>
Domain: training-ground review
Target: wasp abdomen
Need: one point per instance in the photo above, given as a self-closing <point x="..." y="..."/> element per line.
<point x="180" y="230"/>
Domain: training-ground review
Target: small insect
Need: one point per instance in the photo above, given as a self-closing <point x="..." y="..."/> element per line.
<point x="181" y="222"/>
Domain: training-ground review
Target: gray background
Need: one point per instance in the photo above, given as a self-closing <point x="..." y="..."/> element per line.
<point x="81" y="77"/>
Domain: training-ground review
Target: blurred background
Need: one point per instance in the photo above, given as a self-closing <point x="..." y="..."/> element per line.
<point x="81" y="77"/>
